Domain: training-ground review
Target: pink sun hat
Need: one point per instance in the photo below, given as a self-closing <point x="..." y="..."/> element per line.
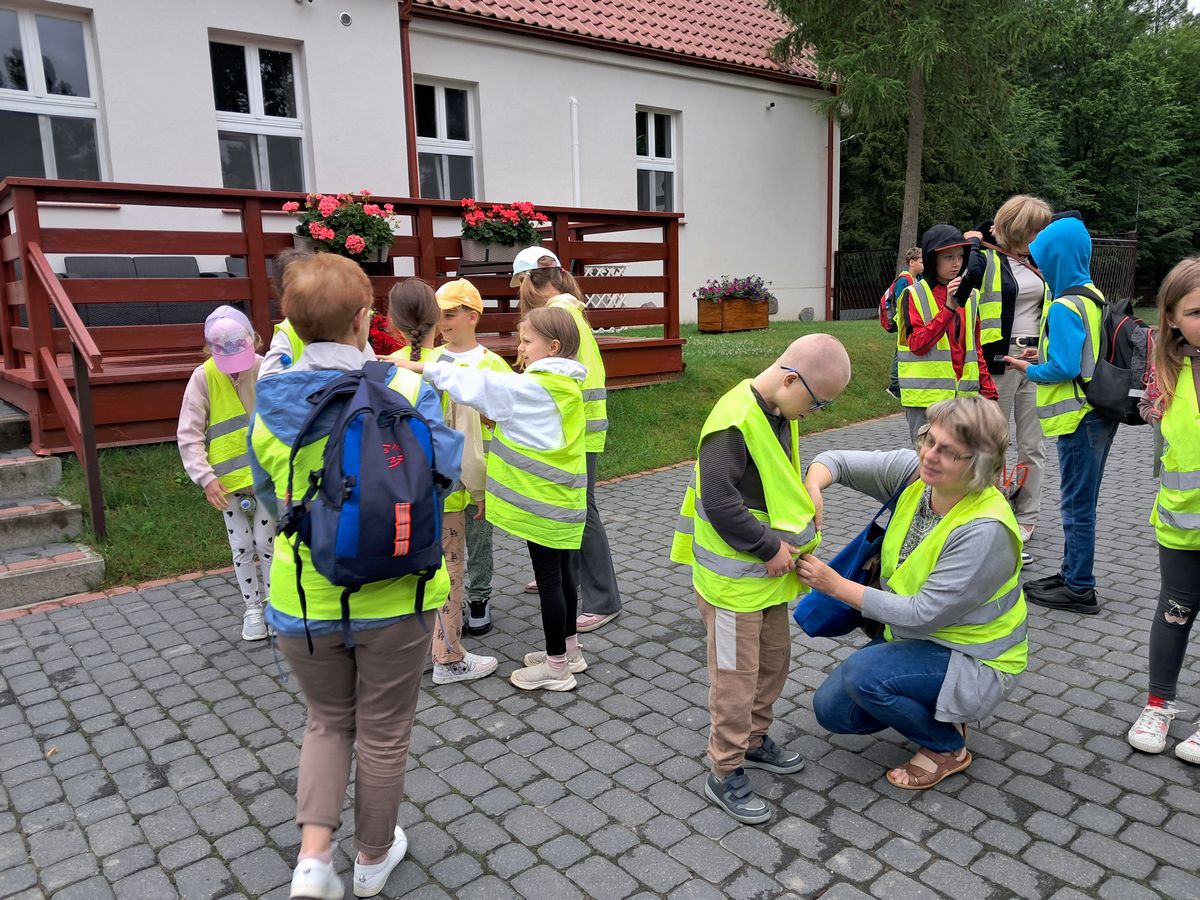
<point x="230" y="337"/>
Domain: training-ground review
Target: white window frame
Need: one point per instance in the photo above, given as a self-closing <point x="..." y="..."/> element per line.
<point x="443" y="146"/>
<point x="257" y="122"/>
<point x="652" y="162"/>
<point x="37" y="101"/>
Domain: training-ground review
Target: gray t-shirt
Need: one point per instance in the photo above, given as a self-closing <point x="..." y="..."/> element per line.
<point x="1027" y="309"/>
<point x="976" y="560"/>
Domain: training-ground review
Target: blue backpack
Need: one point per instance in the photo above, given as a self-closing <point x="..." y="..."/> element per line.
<point x="371" y="512"/>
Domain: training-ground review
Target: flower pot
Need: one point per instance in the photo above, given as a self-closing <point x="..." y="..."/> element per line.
<point x="474" y="251"/>
<point x="734" y="314"/>
<point x="308" y="245"/>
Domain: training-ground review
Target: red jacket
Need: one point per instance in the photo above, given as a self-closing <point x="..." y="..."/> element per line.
<point x="923" y="337"/>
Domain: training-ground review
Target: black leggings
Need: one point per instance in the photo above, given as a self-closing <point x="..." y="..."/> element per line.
<point x="1178" y="602"/>
<point x="556" y="588"/>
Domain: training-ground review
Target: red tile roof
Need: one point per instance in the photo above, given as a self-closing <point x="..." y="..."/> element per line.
<point x="734" y="33"/>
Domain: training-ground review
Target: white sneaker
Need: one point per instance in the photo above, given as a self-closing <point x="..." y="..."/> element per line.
<point x="317" y="880"/>
<point x="254" y="626"/>
<point x="1149" y="732"/>
<point x="1189" y="750"/>
<point x="468" y="668"/>
<point x="541" y="677"/>
<point x="575" y="661"/>
<point x="369" y="880"/>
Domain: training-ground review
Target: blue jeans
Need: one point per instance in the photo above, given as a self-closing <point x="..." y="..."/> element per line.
<point x="889" y="684"/>
<point x="1081" y="458"/>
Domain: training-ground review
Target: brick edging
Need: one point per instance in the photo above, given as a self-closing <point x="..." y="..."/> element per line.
<point x="76" y="599"/>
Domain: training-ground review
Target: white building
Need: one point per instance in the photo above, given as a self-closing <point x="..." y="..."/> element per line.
<point x="620" y="104"/>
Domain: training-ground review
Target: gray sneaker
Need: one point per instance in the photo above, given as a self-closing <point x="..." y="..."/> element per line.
<point x="254" y="626"/>
<point x="773" y="758"/>
<point x="734" y="795"/>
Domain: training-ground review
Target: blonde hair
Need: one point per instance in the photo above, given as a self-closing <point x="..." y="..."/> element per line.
<point x="322" y="292"/>
<point x="543" y="284"/>
<point x="555" y="324"/>
<point x="913" y="253"/>
<point x="1019" y="220"/>
<point x="414" y="312"/>
<point x="979" y="425"/>
<point x="1182" y="280"/>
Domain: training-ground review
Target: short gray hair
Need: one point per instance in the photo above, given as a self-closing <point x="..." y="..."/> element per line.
<point x="979" y="425"/>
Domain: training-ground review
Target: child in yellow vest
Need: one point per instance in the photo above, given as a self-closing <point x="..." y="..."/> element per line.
<point x="414" y="312"/>
<point x="212" y="444"/>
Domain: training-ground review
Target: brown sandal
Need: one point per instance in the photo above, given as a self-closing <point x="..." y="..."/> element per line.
<point x="946" y="764"/>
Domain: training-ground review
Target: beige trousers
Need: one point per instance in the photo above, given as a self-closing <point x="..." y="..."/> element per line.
<point x="1018" y="402"/>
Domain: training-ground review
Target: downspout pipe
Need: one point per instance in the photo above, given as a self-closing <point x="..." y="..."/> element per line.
<point x="576" y="173"/>
<point x="831" y="147"/>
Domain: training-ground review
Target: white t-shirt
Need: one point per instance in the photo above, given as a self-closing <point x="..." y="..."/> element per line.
<point x="467" y="357"/>
<point x="1027" y="313"/>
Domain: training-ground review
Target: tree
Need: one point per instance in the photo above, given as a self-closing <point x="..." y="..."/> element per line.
<point x="901" y="66"/>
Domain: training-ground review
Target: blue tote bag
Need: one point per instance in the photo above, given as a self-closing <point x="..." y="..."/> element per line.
<point x="820" y="615"/>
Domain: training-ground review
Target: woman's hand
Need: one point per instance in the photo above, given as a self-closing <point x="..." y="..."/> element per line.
<point x="818" y="576"/>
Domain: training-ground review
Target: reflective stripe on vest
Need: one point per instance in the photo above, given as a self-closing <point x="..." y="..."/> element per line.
<point x="226" y="431"/>
<point x="1176" y="513"/>
<point x="924" y="380"/>
<point x="990" y="298"/>
<point x="1062" y="405"/>
<point x="595" y="394"/>
<point x="994" y="632"/>
<point x="726" y="577"/>
<point x="541" y="495"/>
<point x="294" y="341"/>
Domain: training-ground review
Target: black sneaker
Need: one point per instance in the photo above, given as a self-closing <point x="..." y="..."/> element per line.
<point x="1066" y="599"/>
<point x="1043" y="584"/>
<point x="773" y="758"/>
<point x="734" y="795"/>
<point x="479" y="618"/>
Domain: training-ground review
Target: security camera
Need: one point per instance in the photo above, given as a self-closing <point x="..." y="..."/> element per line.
<point x="770" y="105"/>
<point x="344" y="18"/>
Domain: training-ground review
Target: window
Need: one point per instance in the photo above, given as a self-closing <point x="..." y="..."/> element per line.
<point x="445" y="148"/>
<point x="260" y="132"/>
<point x="48" y="107"/>
<point x="655" y="151"/>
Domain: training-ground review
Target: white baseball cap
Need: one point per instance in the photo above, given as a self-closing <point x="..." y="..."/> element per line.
<point x="230" y="337"/>
<point x="529" y="258"/>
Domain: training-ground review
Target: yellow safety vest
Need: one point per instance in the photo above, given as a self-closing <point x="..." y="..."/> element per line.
<point x="380" y="600"/>
<point x="926" y="380"/>
<point x="990" y="300"/>
<point x="226" y="432"/>
<point x="459" y="497"/>
<point x="726" y="577"/>
<point x="1176" y="513"/>
<point x="994" y="631"/>
<point x="293" y="339"/>
<point x="595" y="392"/>
<point x="1062" y="405"/>
<point x="541" y="495"/>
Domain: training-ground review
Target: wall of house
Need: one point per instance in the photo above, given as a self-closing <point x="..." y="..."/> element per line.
<point x="751" y="180"/>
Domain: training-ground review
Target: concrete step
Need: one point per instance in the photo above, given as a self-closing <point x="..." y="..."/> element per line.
<point x="38" y="520"/>
<point x="14" y="428"/>
<point x="24" y="475"/>
<point x="47" y="572"/>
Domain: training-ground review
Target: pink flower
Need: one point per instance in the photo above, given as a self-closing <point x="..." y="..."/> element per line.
<point x="319" y="232"/>
<point x="388" y="209"/>
<point x="291" y="206"/>
<point x="372" y="209"/>
<point x="327" y="206"/>
<point x="466" y="201"/>
<point x="355" y="245"/>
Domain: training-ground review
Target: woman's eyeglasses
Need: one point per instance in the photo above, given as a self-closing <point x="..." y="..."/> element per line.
<point x="817" y="404"/>
<point x="942" y="450"/>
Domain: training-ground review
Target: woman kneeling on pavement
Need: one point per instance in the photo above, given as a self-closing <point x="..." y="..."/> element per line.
<point x="953" y="641"/>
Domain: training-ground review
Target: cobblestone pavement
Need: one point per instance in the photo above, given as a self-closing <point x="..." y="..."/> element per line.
<point x="145" y="751"/>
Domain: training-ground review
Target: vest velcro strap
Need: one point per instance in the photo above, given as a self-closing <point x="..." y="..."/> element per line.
<point x="928" y="384"/>
<point x="1062" y="407"/>
<point x="1180" y="481"/>
<point x="229" y="426"/>
<point x="540" y="469"/>
<point x="595" y="394"/>
<point x="594" y="425"/>
<point x="1181" y="520"/>
<point x="537" y="507"/>
<point x="232" y="465"/>
<point x="728" y="568"/>
<point x="934" y="355"/>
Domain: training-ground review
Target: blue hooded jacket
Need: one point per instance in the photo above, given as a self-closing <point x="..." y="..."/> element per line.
<point x="1063" y="253"/>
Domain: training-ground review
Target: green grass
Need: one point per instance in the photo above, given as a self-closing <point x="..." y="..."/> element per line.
<point x="159" y="524"/>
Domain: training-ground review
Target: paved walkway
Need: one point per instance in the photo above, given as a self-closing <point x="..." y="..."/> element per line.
<point x="146" y="752"/>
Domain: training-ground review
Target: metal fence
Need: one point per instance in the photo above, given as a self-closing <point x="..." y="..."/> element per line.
<point x="861" y="276"/>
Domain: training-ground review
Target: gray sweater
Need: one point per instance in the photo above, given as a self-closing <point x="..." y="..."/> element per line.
<point x="976" y="560"/>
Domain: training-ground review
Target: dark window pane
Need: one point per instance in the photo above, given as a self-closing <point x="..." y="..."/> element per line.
<point x="12" y="60"/>
<point x="239" y="159"/>
<point x="643" y="189"/>
<point x="230" y="88"/>
<point x="75" y="148"/>
<point x="285" y="164"/>
<point x="662" y="136"/>
<point x="63" y="57"/>
<point x="426" y="102"/>
<point x="278" y="83"/>
<point x="664" y="191"/>
<point x="21" y="149"/>
<point x="462" y="177"/>
<point x="642" y="133"/>
<point x="457" y="126"/>
<point x="429" y="167"/>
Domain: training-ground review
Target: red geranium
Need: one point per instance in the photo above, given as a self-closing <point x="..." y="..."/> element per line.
<point x="384" y="341"/>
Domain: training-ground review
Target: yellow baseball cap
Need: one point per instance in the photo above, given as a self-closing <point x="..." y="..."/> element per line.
<point x="454" y="294"/>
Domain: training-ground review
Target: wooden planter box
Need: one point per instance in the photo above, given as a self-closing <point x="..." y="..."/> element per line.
<point x="732" y="315"/>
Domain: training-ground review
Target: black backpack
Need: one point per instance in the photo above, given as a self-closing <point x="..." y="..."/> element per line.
<point x="1122" y="362"/>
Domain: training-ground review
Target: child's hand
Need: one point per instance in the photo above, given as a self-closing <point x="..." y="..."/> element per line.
<point x="1019" y="364"/>
<point x="404" y="362"/>
<point x="952" y="288"/>
<point x="782" y="562"/>
<point x="977" y="235"/>
<point x="479" y="512"/>
<point x="216" y="495"/>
